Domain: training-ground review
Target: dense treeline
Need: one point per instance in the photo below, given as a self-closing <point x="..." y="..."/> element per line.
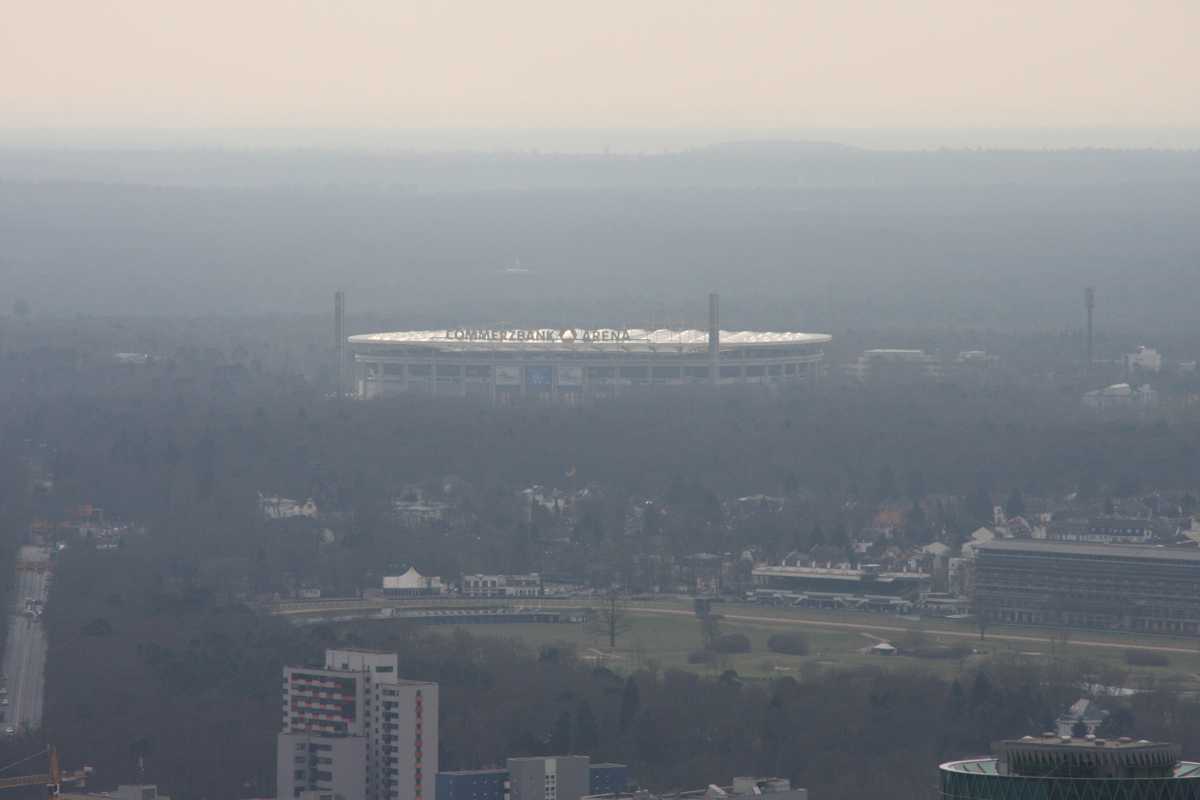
<point x="184" y="446"/>
<point x="150" y="441"/>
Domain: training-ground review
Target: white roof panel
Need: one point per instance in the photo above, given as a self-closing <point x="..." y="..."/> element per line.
<point x="638" y="339"/>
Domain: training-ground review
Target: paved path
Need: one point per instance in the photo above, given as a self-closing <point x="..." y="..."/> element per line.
<point x="25" y="651"/>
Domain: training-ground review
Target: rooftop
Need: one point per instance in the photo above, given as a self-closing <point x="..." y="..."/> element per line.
<point x="1052" y="756"/>
<point x="567" y="339"/>
<point x="835" y="572"/>
<point x="989" y="765"/>
<point x="1088" y="549"/>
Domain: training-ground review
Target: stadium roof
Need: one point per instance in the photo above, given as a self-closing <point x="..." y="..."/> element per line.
<point x="1085" y="549"/>
<point x="567" y="339"/>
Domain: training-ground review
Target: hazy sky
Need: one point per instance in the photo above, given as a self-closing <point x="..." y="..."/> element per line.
<point x="751" y="64"/>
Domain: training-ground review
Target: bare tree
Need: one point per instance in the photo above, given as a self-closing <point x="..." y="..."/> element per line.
<point x="612" y="618"/>
<point x="710" y="630"/>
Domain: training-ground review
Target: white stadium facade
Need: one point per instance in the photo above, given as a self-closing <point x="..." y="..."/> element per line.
<point x="575" y="364"/>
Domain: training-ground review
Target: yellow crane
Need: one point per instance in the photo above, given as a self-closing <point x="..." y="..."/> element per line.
<point x="53" y="780"/>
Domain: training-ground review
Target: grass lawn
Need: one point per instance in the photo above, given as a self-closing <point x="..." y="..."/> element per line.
<point x="666" y="640"/>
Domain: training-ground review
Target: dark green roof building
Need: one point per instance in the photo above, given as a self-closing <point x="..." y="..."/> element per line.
<point x="1051" y="767"/>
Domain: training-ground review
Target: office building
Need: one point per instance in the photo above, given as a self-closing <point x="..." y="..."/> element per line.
<point x="1122" y="397"/>
<point x="891" y="366"/>
<point x="607" y="778"/>
<point x="355" y="729"/>
<point x="1144" y="359"/>
<point x="1052" y="767"/>
<point x="1102" y="530"/>
<point x="473" y="784"/>
<point x="1108" y="586"/>
<point x="548" y="778"/>
<point x="559" y="777"/>
<point x="529" y="585"/>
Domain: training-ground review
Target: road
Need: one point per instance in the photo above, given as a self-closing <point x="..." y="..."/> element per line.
<point x="25" y="650"/>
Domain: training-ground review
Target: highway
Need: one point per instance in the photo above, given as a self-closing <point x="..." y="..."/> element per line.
<point x="25" y="650"/>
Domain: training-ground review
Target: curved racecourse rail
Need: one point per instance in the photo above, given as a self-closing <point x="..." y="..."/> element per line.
<point x="892" y="625"/>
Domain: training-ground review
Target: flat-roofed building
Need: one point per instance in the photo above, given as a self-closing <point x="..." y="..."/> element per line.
<point x="867" y="588"/>
<point x="473" y="784"/>
<point x="539" y="774"/>
<point x="528" y="585"/>
<point x="549" y="778"/>
<point x="1108" y="586"/>
<point x="895" y="366"/>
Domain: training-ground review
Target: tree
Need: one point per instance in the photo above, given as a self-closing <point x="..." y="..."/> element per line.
<point x="1014" y="506"/>
<point x="980" y="506"/>
<point x="631" y="703"/>
<point x="612" y="618"/>
<point x="917" y="487"/>
<point x="817" y="537"/>
<point x="886" y="482"/>
<point x="710" y="629"/>
<point x="560" y="739"/>
<point x="587" y="736"/>
<point x="792" y="643"/>
<point x="981" y="689"/>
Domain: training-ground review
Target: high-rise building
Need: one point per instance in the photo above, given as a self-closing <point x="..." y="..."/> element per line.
<point x="1051" y="767"/>
<point x="355" y="729"/>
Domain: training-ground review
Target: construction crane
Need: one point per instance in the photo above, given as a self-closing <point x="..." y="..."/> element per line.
<point x="53" y="780"/>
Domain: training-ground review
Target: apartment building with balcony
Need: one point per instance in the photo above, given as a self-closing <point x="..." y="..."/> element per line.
<point x="355" y="729"/>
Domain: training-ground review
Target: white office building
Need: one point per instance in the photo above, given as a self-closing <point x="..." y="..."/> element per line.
<point x="355" y="729"/>
<point x="529" y="585"/>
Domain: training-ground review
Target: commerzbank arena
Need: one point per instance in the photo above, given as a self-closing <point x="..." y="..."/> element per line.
<point x="578" y="364"/>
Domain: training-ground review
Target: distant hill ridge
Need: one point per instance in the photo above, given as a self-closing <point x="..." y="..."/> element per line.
<point x="775" y="148"/>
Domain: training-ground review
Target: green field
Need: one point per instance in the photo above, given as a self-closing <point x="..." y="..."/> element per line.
<point x="663" y="634"/>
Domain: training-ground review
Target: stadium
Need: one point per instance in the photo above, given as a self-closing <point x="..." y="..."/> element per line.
<point x="576" y="364"/>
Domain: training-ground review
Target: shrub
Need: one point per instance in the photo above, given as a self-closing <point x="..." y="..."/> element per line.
<point x="940" y="651"/>
<point x="732" y="643"/>
<point x="97" y="627"/>
<point x="1146" y="658"/>
<point x="793" y="643"/>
